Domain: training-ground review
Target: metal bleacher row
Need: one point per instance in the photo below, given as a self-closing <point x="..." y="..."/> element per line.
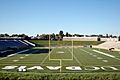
<point x="13" y="44"/>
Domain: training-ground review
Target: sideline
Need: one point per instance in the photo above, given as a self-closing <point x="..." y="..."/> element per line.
<point x="14" y="54"/>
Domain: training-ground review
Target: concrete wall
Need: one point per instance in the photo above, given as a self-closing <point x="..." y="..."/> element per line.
<point x="88" y="39"/>
<point x="109" y="39"/>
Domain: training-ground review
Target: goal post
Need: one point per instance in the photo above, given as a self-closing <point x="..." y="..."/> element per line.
<point x="60" y="49"/>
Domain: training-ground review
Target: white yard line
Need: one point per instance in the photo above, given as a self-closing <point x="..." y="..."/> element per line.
<point x="70" y="52"/>
<point x="14" y="54"/>
<point x="85" y="51"/>
<point x="102" y="53"/>
<point x="77" y="60"/>
<point x="106" y="54"/>
<point x="44" y="59"/>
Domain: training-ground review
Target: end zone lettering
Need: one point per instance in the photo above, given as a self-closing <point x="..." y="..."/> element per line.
<point x="71" y="68"/>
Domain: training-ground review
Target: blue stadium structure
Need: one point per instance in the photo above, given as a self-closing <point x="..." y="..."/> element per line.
<point x="9" y="46"/>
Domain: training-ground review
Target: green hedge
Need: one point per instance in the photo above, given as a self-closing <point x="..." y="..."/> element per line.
<point x="58" y="76"/>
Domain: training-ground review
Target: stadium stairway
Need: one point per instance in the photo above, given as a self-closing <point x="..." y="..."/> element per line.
<point x="29" y="43"/>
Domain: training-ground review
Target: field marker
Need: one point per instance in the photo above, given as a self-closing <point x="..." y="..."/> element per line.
<point x="21" y="57"/>
<point x="94" y="55"/>
<point x="60" y="52"/>
<point x="15" y="60"/>
<point x="105" y="60"/>
<point x="99" y="58"/>
<point x="27" y="55"/>
<point x="91" y="54"/>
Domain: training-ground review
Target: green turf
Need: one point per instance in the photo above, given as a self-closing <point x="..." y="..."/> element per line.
<point x="83" y="57"/>
<point x="75" y="43"/>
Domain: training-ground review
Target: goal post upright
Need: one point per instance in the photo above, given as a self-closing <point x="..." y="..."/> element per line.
<point x="72" y="47"/>
<point x="49" y="47"/>
<point x="61" y="44"/>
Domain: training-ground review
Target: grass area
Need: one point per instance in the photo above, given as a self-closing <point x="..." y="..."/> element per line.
<point x="76" y="43"/>
<point x="85" y="58"/>
<point x="59" y="76"/>
<point x="60" y="63"/>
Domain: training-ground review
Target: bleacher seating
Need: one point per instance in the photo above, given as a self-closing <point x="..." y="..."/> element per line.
<point x="11" y="45"/>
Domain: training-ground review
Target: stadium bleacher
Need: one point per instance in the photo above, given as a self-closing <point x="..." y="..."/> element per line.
<point x="6" y="46"/>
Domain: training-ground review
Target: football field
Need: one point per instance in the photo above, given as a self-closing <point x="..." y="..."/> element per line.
<point x="62" y="59"/>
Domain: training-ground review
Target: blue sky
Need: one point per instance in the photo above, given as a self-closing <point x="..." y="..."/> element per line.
<point x="50" y="16"/>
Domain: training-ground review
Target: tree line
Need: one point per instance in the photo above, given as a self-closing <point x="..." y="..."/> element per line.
<point x="58" y="36"/>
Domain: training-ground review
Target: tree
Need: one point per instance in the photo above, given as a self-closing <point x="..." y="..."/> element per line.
<point x="56" y="36"/>
<point x="6" y="35"/>
<point x="107" y="36"/>
<point x="119" y="38"/>
<point x="1" y="35"/>
<point x="44" y="36"/>
<point x="14" y="35"/>
<point x="67" y="35"/>
<point x="27" y="38"/>
<point x="100" y="35"/>
<point x="37" y="35"/>
<point x="22" y="35"/>
<point x="52" y="36"/>
<point x="111" y="36"/>
<point x="61" y="35"/>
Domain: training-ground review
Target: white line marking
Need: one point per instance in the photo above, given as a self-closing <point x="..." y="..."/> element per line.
<point x="44" y="60"/>
<point x="60" y="52"/>
<point x="99" y="58"/>
<point x="22" y="57"/>
<point x="94" y="55"/>
<point x="106" y="54"/>
<point x="51" y="52"/>
<point x="15" y="60"/>
<point x="91" y="54"/>
<point x="27" y="55"/>
<point x="85" y="51"/>
<point x="105" y="60"/>
<point x="14" y="54"/>
<point x="77" y="60"/>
